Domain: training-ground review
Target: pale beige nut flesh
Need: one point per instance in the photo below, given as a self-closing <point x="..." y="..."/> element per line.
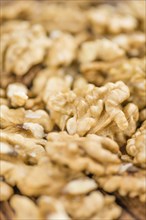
<point x="29" y="123"/>
<point x="106" y="18"/>
<point x="23" y="50"/>
<point x="80" y="186"/>
<point x="91" y="51"/>
<point x="136" y="146"/>
<point x="91" y="206"/>
<point x="132" y="43"/>
<point x="130" y="71"/>
<point x="24" y="208"/>
<point x="72" y="110"/>
<point x="62" y="51"/>
<point x="122" y="184"/>
<point x="94" y="154"/>
<point x="46" y="13"/>
<point x="17" y="93"/>
<point x="6" y="191"/>
<point x="78" y="110"/>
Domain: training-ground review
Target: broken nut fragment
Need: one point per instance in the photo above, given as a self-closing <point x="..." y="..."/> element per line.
<point x="94" y="206"/>
<point x="62" y="50"/>
<point x="23" y="49"/>
<point x="80" y="186"/>
<point x="17" y="93"/>
<point x="24" y="208"/>
<point x="130" y="71"/>
<point x="136" y="147"/>
<point x="107" y="18"/>
<point x="29" y="123"/>
<point x="91" y="51"/>
<point x="93" y="154"/>
<point x="78" y="110"/>
<point x="122" y="184"/>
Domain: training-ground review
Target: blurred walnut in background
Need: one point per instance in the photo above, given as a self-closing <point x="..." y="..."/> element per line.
<point x="73" y="109"/>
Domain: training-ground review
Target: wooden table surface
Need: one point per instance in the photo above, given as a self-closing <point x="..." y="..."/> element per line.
<point x="133" y="209"/>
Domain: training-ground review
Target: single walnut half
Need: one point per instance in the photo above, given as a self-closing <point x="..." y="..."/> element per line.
<point x="23" y="49"/>
<point x="86" y="108"/>
<point x="120" y="136"/>
<point x="132" y="72"/>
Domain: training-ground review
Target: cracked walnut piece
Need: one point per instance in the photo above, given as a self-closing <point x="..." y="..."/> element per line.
<point x="136" y="146"/>
<point x="27" y="122"/>
<point x="80" y="186"/>
<point x="24" y="208"/>
<point x="52" y="208"/>
<point x="91" y="51"/>
<point x="93" y="154"/>
<point x="23" y="176"/>
<point x="90" y="206"/>
<point x="23" y="49"/>
<point x="135" y="9"/>
<point x="16" y="173"/>
<point x="133" y="43"/>
<point x="17" y="93"/>
<point x="80" y="109"/>
<point x="16" y="146"/>
<point x="130" y="71"/>
<point x="70" y="19"/>
<point x="62" y="50"/>
<point x="122" y="184"/>
<point x="94" y="206"/>
<point x="107" y="18"/>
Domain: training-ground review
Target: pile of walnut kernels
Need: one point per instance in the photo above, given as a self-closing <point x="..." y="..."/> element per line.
<point x="73" y="111"/>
